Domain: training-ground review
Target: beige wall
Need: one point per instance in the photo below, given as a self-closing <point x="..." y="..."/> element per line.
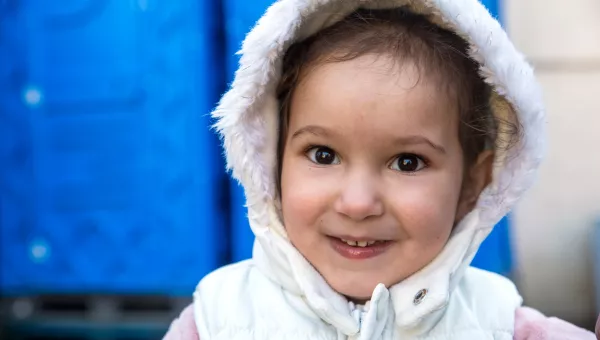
<point x="553" y="224"/>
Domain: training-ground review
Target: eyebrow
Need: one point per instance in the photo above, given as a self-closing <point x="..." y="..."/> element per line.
<point x="312" y="129"/>
<point x="412" y="140"/>
<point x="405" y="140"/>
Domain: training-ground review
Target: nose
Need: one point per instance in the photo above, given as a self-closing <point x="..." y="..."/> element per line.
<point x="359" y="198"/>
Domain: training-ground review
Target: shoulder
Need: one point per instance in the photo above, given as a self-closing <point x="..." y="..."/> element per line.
<point x="483" y="287"/>
<point x="530" y="324"/>
<point x="184" y="327"/>
<point x="210" y="292"/>
<point x="475" y="277"/>
<point x="482" y="302"/>
<point x="242" y="286"/>
<point x="221" y="296"/>
<point x="227" y="277"/>
<point x="235" y="283"/>
<point x="237" y="300"/>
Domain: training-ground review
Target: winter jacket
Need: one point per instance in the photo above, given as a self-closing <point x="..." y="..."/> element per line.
<point x="278" y="294"/>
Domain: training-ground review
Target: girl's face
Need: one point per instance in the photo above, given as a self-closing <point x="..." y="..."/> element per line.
<point x="372" y="172"/>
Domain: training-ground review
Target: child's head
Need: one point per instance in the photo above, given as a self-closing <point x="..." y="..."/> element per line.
<point x="386" y="134"/>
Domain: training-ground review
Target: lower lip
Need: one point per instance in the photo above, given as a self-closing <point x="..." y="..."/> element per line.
<point x="359" y="253"/>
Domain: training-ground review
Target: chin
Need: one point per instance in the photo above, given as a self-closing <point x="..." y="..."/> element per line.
<point x="356" y="288"/>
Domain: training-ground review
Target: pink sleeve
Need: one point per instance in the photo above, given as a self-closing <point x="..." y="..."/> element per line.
<point x="184" y="327"/>
<point x="533" y="325"/>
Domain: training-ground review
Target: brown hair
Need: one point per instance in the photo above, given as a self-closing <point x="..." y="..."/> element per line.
<point x="405" y="36"/>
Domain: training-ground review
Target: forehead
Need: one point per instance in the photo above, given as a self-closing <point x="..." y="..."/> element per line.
<point x="372" y="96"/>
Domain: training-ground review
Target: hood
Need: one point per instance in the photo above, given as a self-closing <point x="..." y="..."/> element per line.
<point x="247" y="120"/>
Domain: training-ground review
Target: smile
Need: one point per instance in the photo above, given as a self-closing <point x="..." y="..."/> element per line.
<point x="359" y="249"/>
<point x="361" y="244"/>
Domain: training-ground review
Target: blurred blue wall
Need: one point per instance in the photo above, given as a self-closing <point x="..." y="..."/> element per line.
<point x="111" y="180"/>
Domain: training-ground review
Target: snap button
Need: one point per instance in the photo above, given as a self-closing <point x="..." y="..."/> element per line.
<point x="420" y="296"/>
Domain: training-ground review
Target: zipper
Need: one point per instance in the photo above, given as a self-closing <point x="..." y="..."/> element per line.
<point x="358" y="315"/>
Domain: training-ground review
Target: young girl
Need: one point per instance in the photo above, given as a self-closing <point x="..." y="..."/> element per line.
<point x="378" y="143"/>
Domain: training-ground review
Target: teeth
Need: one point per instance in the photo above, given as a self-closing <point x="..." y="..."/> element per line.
<point x="361" y="244"/>
<point x="351" y="243"/>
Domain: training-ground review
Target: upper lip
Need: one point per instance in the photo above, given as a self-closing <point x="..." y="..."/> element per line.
<point x="358" y="238"/>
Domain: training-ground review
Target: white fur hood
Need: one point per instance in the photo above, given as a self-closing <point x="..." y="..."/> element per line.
<point x="248" y="121"/>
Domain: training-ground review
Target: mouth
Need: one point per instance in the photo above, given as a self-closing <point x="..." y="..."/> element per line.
<point x="359" y="249"/>
<point x="360" y="244"/>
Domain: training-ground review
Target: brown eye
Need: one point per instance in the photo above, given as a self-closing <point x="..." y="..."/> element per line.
<point x="408" y="163"/>
<point x="323" y="155"/>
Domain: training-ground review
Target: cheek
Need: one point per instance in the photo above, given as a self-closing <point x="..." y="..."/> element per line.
<point x="426" y="207"/>
<point x="304" y="197"/>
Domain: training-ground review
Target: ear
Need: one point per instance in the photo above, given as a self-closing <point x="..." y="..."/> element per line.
<point x="477" y="177"/>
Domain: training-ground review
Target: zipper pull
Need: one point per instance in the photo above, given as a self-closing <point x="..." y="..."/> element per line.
<point x="357" y="315"/>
